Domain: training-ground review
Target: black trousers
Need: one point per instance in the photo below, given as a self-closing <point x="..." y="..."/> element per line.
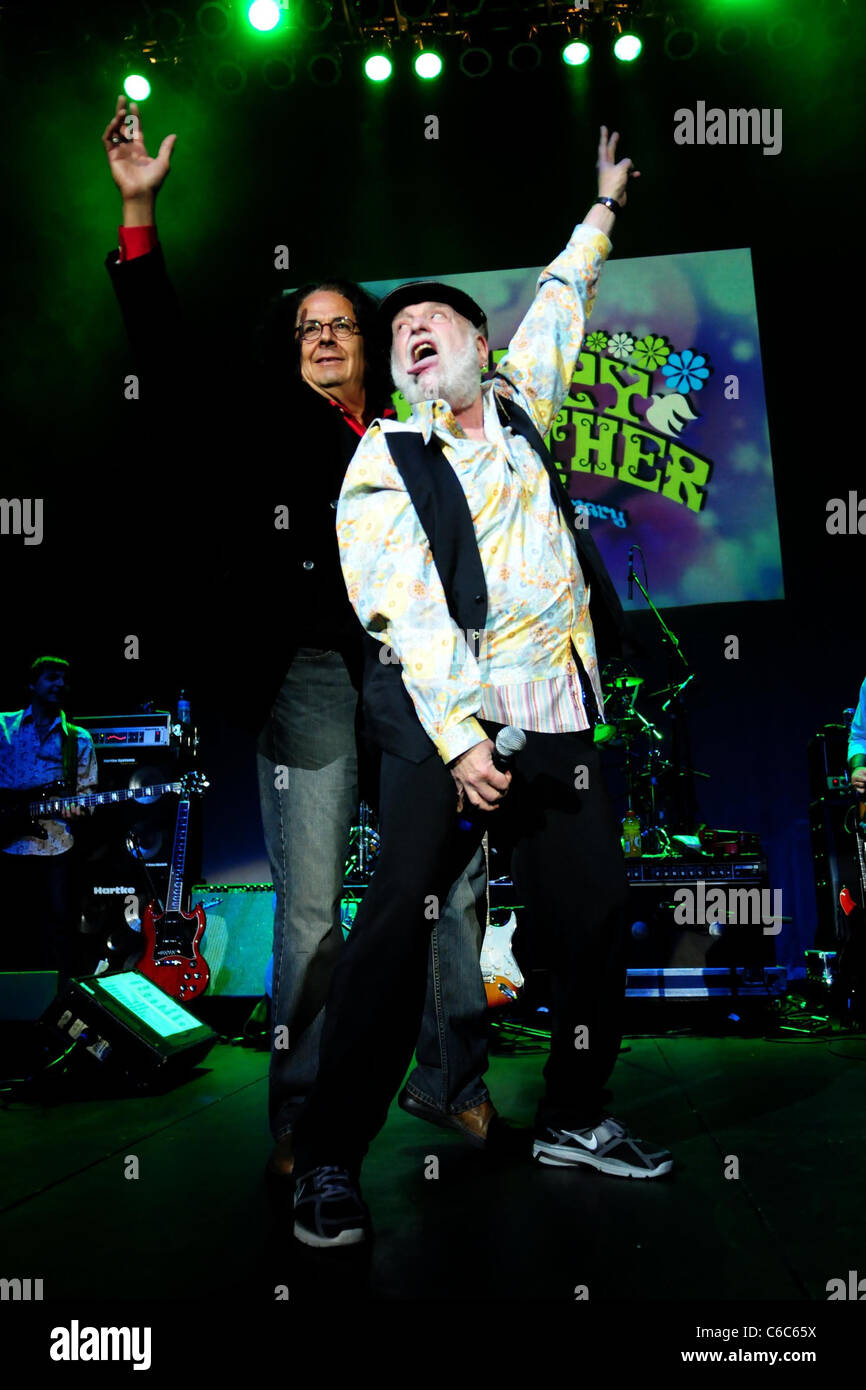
<point x="568" y="869"/>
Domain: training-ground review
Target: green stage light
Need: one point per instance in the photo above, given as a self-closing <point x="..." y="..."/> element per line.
<point x="137" y="88"/>
<point x="575" y="53"/>
<point x="378" y="67"/>
<point x="264" y="15"/>
<point x="428" y="65"/>
<point x="627" y="47"/>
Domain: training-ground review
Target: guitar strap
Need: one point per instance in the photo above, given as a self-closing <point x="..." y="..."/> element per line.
<point x="69" y="745"/>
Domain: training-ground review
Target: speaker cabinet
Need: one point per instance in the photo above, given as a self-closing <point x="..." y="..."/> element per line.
<point x="239" y="935"/>
<point x="126" y="849"/>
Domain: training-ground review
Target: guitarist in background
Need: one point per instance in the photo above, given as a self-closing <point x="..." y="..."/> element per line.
<point x="38" y="873"/>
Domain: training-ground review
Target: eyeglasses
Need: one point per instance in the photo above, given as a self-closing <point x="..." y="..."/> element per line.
<point x="312" y="329"/>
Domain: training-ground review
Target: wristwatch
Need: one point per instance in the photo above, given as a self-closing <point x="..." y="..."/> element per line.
<point x="610" y="203"/>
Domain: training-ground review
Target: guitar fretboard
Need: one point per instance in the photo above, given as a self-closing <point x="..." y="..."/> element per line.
<point x="178" y="858"/>
<point x="63" y="803"/>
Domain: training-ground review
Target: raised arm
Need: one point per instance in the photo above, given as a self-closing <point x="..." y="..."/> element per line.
<point x="539" y="364"/>
<point x="138" y="175"/>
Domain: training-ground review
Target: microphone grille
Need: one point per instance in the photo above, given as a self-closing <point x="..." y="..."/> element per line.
<point x="510" y="741"/>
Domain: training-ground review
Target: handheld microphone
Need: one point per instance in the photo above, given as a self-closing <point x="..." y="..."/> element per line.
<point x="509" y="742"/>
<point x="631" y="571"/>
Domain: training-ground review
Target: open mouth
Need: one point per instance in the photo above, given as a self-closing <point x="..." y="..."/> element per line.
<point x="424" y="356"/>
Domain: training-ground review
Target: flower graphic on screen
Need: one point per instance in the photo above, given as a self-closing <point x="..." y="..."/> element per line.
<point x="685" y="371"/>
<point x="650" y="353"/>
<point x="596" y="342"/>
<point x="621" y="346"/>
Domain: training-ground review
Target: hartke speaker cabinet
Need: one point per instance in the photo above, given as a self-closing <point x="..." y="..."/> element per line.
<point x="121" y="845"/>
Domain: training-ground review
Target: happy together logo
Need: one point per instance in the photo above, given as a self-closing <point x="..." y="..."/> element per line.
<point x="633" y="438"/>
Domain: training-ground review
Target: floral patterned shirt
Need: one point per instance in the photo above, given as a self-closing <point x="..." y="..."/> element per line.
<point x="538" y="602"/>
<point x="27" y="761"/>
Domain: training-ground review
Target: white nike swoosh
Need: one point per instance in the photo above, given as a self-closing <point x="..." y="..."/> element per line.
<point x="587" y="1143"/>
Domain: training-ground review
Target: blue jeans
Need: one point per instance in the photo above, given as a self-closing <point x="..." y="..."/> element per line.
<point x="308" y="788"/>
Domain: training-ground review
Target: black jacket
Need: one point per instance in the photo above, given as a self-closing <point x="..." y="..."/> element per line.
<point x="259" y="446"/>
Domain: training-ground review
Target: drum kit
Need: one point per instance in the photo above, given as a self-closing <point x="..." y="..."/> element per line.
<point x="660" y="788"/>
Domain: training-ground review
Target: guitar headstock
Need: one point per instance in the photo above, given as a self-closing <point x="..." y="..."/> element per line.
<point x="194" y="783"/>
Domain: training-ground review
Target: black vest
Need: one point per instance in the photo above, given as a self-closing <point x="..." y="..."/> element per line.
<point x="443" y="511"/>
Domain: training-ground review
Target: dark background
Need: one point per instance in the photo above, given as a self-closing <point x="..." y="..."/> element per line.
<point x="138" y="515"/>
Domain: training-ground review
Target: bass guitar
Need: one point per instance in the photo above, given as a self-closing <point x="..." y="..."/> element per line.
<point x="20" y="811"/>
<point x="171" y="956"/>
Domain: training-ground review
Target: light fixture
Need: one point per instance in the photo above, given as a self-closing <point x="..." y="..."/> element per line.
<point x="427" y="64"/>
<point x="324" y="69"/>
<point x="137" y="88"/>
<point x="476" y="61"/>
<point x="575" y="53"/>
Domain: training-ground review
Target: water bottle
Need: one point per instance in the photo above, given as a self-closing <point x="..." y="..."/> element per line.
<point x="631" y="835"/>
<point x="183" y="712"/>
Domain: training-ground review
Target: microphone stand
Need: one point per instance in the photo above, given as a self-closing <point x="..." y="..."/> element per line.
<point x="685" y="801"/>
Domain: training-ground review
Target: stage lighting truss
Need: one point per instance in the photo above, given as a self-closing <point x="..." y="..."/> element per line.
<point x="322" y="41"/>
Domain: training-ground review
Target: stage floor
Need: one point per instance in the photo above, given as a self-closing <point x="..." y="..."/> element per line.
<point x="199" y="1221"/>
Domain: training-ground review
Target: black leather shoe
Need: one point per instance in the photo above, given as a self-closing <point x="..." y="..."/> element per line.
<point x="472" y="1124"/>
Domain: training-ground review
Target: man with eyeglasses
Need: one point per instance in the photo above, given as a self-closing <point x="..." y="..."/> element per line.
<point x="300" y="654"/>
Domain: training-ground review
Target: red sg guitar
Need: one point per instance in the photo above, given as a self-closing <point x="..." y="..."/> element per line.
<point x="171" y="958"/>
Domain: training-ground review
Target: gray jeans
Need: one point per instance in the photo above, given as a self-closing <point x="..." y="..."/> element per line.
<point x="308" y="788"/>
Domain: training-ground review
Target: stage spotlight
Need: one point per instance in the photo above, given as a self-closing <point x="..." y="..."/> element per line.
<point x="475" y="62"/>
<point x="785" y="33"/>
<point x="627" y="47"/>
<point x="264" y="15"/>
<point x="137" y="88"/>
<point x="325" y="69"/>
<point x="230" y="78"/>
<point x="277" y="74"/>
<point x="681" y="44"/>
<point x="732" y="39"/>
<point x="377" y="68"/>
<point x="312" y="14"/>
<point x="524" y="57"/>
<point x="213" y="20"/>
<point x="428" y="64"/>
<point x="576" y="53"/>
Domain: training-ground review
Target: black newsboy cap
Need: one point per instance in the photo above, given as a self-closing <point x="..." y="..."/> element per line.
<point x="430" y="291"/>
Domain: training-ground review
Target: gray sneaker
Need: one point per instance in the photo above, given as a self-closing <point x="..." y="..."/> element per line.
<point x="609" y="1147"/>
<point x="328" y="1209"/>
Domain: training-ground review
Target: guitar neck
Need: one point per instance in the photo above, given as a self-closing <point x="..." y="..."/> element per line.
<point x="861" y="847"/>
<point x="178" y="858"/>
<point x="63" y="803"/>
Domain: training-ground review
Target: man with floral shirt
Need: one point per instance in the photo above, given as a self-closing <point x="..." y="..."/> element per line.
<point x="39" y="747"/>
<point x="463" y="557"/>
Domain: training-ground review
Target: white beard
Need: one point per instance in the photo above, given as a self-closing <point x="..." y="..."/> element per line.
<point x="456" y="381"/>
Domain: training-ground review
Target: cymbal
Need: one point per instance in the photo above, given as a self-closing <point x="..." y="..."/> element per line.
<point x="628" y="682"/>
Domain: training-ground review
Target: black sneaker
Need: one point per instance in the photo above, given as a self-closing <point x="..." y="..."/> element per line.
<point x="329" y="1210"/>
<point x="609" y="1147"/>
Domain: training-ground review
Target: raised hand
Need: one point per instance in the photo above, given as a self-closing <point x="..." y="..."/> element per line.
<point x="613" y="177"/>
<point x="138" y="175"/>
